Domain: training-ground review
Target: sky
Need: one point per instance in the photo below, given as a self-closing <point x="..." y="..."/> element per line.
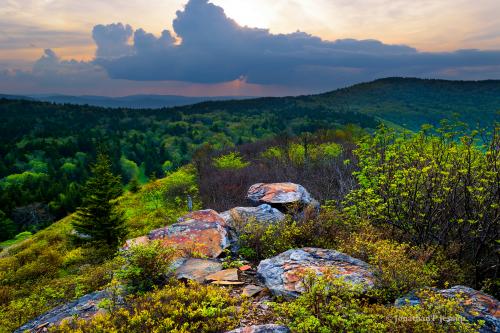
<point x="240" y="47"/>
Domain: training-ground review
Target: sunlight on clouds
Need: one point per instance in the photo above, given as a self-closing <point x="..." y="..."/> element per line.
<point x="429" y="25"/>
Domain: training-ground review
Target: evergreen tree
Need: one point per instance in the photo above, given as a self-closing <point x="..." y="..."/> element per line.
<point x="7" y="227"/>
<point x="133" y="185"/>
<point x="98" y="216"/>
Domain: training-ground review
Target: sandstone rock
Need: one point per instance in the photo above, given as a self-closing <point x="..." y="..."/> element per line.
<point x="225" y="275"/>
<point x="283" y="274"/>
<point x="245" y="268"/>
<point x="228" y="283"/>
<point x="136" y="241"/>
<point x="478" y="306"/>
<point x="287" y="197"/>
<point x="239" y="216"/>
<point x="262" y="329"/>
<point x="204" y="232"/>
<point x="207" y="215"/>
<point x="84" y="307"/>
<point x="251" y="290"/>
<point x="279" y="193"/>
<point x="197" y="269"/>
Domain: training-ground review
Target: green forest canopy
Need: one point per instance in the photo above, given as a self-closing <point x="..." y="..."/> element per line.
<point x="45" y="149"/>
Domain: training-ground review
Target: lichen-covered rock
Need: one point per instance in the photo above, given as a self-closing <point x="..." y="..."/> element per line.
<point x="204" y="232"/>
<point x="230" y="274"/>
<point x="478" y="306"/>
<point x="279" y="193"/>
<point x="85" y="308"/>
<point x="262" y="329"/>
<point x="196" y="269"/>
<point x="287" y="197"/>
<point x="262" y="214"/>
<point x="143" y="240"/>
<point x="283" y="274"/>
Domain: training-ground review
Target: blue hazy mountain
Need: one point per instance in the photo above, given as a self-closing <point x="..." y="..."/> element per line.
<point x="133" y="101"/>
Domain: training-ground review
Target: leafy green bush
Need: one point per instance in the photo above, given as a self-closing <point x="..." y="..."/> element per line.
<point x="328" y="305"/>
<point x="263" y="240"/>
<point x="231" y="161"/>
<point x="146" y="266"/>
<point x="332" y="305"/>
<point x="398" y="268"/>
<point x="177" y="308"/>
<point x="260" y="240"/>
<point x="434" y="188"/>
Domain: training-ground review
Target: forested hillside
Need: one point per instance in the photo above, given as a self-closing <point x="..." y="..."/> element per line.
<point x="413" y="102"/>
<point x="45" y="148"/>
<point x="411" y="215"/>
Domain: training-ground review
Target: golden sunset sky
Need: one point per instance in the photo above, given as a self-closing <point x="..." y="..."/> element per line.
<point x="29" y="26"/>
<point x="48" y="46"/>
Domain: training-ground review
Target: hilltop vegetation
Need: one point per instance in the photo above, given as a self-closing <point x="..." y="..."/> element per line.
<point x="45" y="149"/>
<point x="52" y="266"/>
<point x="366" y="214"/>
<point x="421" y="208"/>
<point x="411" y="103"/>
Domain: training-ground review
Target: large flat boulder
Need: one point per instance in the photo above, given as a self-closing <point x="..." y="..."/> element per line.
<point x="279" y="193"/>
<point x="477" y="305"/>
<point x="197" y="269"/>
<point x="283" y="274"/>
<point x="84" y="308"/>
<point x="240" y="216"/>
<point x="287" y="197"/>
<point x="202" y="232"/>
<point x="262" y="329"/>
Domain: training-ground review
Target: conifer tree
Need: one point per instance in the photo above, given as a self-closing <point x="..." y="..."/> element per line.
<point x="98" y="217"/>
<point x="133" y="185"/>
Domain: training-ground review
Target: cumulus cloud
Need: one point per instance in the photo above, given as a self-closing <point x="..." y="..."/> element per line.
<point x="112" y="40"/>
<point x="50" y="74"/>
<point x="214" y="48"/>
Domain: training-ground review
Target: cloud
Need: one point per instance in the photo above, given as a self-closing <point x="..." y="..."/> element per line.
<point x="207" y="49"/>
<point x="112" y="40"/>
<point x="214" y="48"/>
<point x="50" y="74"/>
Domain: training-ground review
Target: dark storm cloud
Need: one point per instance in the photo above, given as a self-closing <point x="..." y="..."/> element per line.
<point x="112" y="40"/>
<point x="214" y="48"/>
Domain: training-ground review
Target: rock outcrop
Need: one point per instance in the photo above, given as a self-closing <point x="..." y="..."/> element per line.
<point x="196" y="269"/>
<point x="477" y="305"/>
<point x="283" y="274"/>
<point x="287" y="197"/>
<point x="262" y="329"/>
<point x="84" y="308"/>
<point x="262" y="214"/>
<point x="204" y="232"/>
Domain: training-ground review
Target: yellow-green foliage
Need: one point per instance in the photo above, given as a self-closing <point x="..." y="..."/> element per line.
<point x="399" y="268"/>
<point x="146" y="266"/>
<point x="259" y="240"/>
<point x="434" y="188"/>
<point x="297" y="154"/>
<point x="48" y="269"/>
<point x="45" y="270"/>
<point x="177" y="308"/>
<point x="161" y="202"/>
<point x="332" y="305"/>
<point x="328" y="305"/>
<point x="231" y="161"/>
<point x="19" y="238"/>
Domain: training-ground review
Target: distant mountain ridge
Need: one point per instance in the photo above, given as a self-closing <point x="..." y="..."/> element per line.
<point x="131" y="102"/>
<point x="408" y="102"/>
